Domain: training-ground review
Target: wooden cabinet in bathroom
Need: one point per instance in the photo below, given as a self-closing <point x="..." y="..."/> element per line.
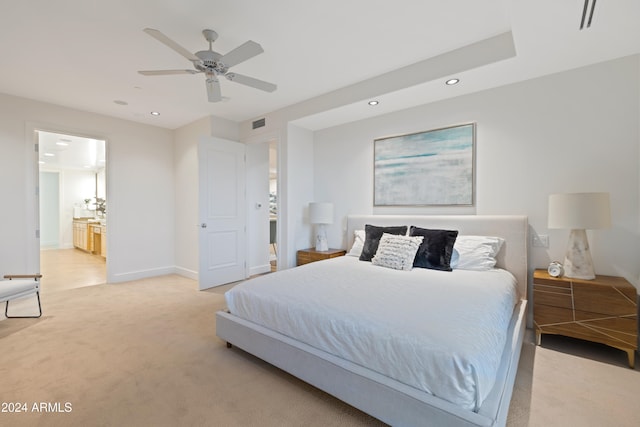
<point x="81" y="234"/>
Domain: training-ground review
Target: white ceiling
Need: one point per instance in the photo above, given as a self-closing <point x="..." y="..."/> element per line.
<point x="58" y="151"/>
<point x="85" y="54"/>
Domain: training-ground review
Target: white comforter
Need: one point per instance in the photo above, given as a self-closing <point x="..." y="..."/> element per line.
<point x="440" y="332"/>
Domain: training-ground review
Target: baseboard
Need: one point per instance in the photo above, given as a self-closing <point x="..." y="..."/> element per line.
<point x="185" y="272"/>
<point x="141" y="274"/>
<point x="260" y="269"/>
<point x="181" y="271"/>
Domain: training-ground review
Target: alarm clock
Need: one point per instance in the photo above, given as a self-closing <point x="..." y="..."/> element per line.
<point x="555" y="269"/>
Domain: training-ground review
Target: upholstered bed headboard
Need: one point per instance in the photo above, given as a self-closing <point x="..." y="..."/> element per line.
<point x="513" y="228"/>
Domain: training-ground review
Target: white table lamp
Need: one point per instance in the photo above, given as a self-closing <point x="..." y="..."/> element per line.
<point x="579" y="212"/>
<point x="321" y="213"/>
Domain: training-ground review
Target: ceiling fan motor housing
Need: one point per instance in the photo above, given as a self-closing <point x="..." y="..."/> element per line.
<point x="210" y="62"/>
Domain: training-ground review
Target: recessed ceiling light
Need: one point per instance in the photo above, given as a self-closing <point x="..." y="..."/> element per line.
<point x="452" y="81"/>
<point x="155" y="113"/>
<point x="373" y="102"/>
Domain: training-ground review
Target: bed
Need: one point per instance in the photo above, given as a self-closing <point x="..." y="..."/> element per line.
<point x="388" y="386"/>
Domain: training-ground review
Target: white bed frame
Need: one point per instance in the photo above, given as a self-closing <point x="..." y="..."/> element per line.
<point x="388" y="400"/>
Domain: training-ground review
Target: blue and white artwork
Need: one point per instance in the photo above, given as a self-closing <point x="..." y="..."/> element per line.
<point x="426" y="168"/>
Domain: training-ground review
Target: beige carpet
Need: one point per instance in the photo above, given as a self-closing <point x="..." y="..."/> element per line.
<point x="145" y="353"/>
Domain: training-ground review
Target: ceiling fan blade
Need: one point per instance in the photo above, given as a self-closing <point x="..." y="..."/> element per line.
<point x="213" y="90"/>
<point x="170" y="43"/>
<point x="250" y="81"/>
<point x="166" y="72"/>
<point x="242" y="53"/>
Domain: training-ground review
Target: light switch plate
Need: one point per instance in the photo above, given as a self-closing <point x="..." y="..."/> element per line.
<point x="540" y="240"/>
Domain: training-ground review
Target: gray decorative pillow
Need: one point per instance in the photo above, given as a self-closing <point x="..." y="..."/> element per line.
<point x="372" y="239"/>
<point x="436" y="248"/>
<point x="397" y="252"/>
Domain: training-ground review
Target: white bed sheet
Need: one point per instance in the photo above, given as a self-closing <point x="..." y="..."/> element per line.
<point x="440" y="332"/>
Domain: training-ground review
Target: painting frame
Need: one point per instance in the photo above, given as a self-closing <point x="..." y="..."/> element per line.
<point x="428" y="168"/>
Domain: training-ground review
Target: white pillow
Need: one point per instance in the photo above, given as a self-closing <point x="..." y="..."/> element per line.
<point x="358" y="243"/>
<point x="477" y="252"/>
<point x="397" y="252"/>
<point x="455" y="257"/>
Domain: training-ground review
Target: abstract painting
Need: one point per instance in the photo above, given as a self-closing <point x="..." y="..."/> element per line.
<point x="432" y="168"/>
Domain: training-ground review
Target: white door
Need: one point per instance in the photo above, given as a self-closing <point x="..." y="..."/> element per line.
<point x="222" y="249"/>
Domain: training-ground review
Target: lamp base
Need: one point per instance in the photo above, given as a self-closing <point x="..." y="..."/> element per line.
<point x="321" y="239"/>
<point x="321" y="245"/>
<point x="577" y="260"/>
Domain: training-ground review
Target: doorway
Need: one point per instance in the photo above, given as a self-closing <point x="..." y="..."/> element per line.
<point x="72" y="195"/>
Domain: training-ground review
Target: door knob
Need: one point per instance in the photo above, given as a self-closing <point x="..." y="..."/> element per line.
<point x="203" y="225"/>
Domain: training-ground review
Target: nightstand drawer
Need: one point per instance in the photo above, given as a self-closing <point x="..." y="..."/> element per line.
<point x="549" y="296"/>
<point x="603" y="300"/>
<point x="305" y="256"/>
<point x="627" y="324"/>
<point x="594" y="333"/>
<point x="553" y="283"/>
<point x="545" y="314"/>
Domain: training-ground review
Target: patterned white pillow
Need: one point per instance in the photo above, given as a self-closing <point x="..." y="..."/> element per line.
<point x="397" y="252"/>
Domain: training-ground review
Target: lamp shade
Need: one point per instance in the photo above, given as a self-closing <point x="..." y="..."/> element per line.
<point x="587" y="211"/>
<point x="321" y="213"/>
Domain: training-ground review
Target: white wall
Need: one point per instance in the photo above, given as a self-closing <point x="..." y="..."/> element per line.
<point x="569" y="132"/>
<point x="298" y="176"/>
<point x="49" y="203"/>
<point x="223" y="128"/>
<point x="186" y="183"/>
<point x="638" y="193"/>
<point x="140" y="187"/>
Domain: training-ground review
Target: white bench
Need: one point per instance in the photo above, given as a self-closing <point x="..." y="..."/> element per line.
<point x="20" y="286"/>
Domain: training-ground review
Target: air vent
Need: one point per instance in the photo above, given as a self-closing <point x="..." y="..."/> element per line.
<point x="259" y="123"/>
<point x="587" y="13"/>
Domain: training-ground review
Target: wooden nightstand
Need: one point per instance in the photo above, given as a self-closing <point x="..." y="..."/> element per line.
<point x="306" y="256"/>
<point x="603" y="310"/>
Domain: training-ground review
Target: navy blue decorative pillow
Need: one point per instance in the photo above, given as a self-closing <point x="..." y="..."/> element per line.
<point x="372" y="239"/>
<point x="436" y="248"/>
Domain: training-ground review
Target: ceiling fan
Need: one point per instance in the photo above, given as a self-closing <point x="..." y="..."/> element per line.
<point x="213" y="64"/>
